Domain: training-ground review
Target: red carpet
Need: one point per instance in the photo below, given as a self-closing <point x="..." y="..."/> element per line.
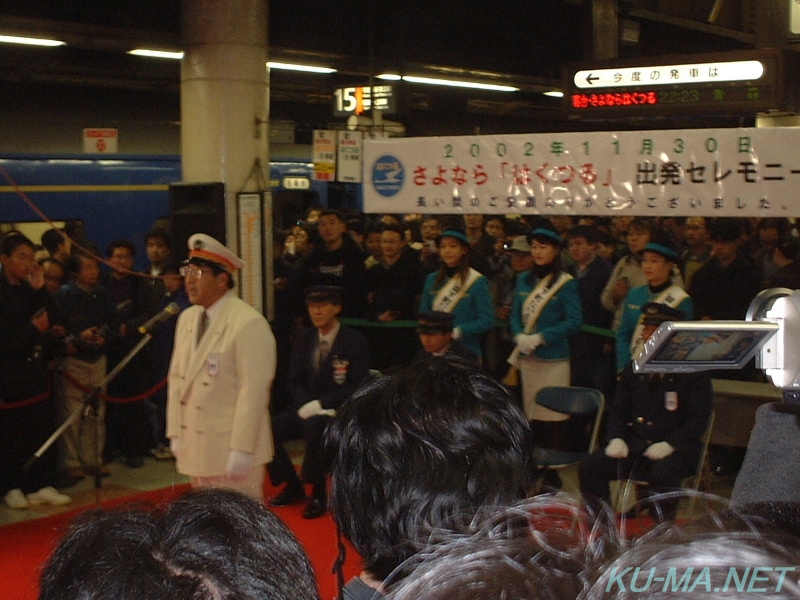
<point x="25" y="546"/>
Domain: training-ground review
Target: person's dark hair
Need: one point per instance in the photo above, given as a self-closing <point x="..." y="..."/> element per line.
<point x="462" y="268"/>
<point x="555" y="268"/>
<point x="13" y="240"/>
<point x="210" y="544"/>
<point x="583" y="231"/>
<point x="172" y="266"/>
<point x="312" y="232"/>
<point x="781" y="224"/>
<point x="396" y="228"/>
<point x="75" y="261"/>
<point x="726" y="229"/>
<point x="428" y="446"/>
<point x="534" y="550"/>
<point x="330" y="211"/>
<point x="127" y="244"/>
<point x="158" y="234"/>
<point x="51" y="240"/>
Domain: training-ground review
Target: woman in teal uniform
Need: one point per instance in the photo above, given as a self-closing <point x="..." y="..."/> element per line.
<point x="546" y="311"/>
<point x="458" y="289"/>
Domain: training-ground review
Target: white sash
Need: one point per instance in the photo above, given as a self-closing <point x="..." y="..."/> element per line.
<point x="453" y="290"/>
<point x="672" y="297"/>
<point x="534" y="304"/>
<point x="538" y="299"/>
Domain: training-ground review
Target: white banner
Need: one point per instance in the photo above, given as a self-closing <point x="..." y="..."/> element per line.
<point x="704" y="172"/>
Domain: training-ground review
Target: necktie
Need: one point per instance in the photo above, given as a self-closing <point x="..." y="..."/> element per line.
<point x="322" y="353"/>
<point x="201" y="328"/>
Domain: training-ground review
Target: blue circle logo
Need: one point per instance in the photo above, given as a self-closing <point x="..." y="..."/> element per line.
<point x="388" y="175"/>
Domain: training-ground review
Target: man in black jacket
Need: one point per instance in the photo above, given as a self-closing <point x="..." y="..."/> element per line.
<point x="328" y="362"/>
<point x="654" y="429"/>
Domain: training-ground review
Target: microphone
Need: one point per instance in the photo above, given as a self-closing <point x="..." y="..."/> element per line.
<point x="170" y="310"/>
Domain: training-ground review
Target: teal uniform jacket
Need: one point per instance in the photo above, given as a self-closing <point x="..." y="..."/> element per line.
<point x="474" y="313"/>
<point x="561" y="317"/>
<point x="634" y="301"/>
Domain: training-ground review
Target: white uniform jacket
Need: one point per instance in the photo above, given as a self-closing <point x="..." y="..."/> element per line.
<point x="219" y="391"/>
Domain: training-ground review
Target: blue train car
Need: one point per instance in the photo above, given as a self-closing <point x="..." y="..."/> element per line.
<point x="120" y="196"/>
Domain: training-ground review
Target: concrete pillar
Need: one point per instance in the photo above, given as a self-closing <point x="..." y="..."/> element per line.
<point x="225" y="98"/>
<point x="605" y="29"/>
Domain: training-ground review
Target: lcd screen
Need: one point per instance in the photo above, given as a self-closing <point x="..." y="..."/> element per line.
<point x="685" y="347"/>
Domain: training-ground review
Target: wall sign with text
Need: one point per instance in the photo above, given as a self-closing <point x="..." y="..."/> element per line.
<point x="707" y="172"/>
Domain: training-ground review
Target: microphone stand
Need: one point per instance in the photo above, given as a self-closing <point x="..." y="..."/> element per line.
<point x="89" y="402"/>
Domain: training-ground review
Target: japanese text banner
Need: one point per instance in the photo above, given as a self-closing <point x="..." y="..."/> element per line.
<point x="704" y="172"/>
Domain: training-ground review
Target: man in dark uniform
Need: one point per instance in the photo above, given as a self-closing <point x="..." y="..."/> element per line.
<point x="654" y="428"/>
<point x="328" y="362"/>
<point x="435" y="331"/>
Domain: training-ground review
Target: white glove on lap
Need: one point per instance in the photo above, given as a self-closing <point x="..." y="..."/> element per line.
<point x="528" y="343"/>
<point x="659" y="450"/>
<point x="617" y="448"/>
<point x="239" y="465"/>
<point x="175" y="446"/>
<point x="310" y="409"/>
<point x="456" y="333"/>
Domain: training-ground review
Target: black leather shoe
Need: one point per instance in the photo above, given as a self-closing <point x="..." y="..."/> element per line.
<point x="315" y="508"/>
<point x="292" y="493"/>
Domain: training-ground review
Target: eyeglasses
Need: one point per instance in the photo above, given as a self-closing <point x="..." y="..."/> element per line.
<point x="194" y="271"/>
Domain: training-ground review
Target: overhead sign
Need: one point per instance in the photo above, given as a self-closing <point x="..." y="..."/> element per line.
<point x="350" y="149"/>
<point x="732" y="83"/>
<point x="100" y="141"/>
<point x="710" y="72"/>
<point x="324" y="154"/>
<point x="704" y="172"/>
<point x="362" y="99"/>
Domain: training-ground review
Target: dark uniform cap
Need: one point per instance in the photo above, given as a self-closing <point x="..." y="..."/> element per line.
<point x="656" y="313"/>
<point x="323" y="293"/>
<point x="435" y="321"/>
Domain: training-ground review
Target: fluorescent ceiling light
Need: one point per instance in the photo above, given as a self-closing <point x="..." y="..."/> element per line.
<point x="13" y="39"/>
<point x="304" y="68"/>
<point x="554" y="94"/>
<point x="450" y="83"/>
<point x="156" y="53"/>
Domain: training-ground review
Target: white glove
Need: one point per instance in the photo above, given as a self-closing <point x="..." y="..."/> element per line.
<point x="239" y="465"/>
<point x="617" y="448"/>
<point x="310" y="409"/>
<point x="456" y="333"/>
<point x="175" y="446"/>
<point x="659" y="450"/>
<point x="528" y="343"/>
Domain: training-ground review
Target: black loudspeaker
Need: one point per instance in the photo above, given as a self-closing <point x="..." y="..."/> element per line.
<point x="196" y="208"/>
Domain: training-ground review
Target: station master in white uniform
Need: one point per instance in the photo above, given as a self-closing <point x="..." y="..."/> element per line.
<point x="220" y="378"/>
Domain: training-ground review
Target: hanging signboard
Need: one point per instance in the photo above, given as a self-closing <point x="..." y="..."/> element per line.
<point x="706" y="172"/>
<point x="324" y="155"/>
<point x="350" y="147"/>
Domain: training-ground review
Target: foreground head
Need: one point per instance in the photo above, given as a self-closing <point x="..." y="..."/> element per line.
<point x="211" y="544"/>
<point x="428" y="446"/>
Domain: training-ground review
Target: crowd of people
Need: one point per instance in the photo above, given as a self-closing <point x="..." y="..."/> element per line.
<point x="541" y="301"/>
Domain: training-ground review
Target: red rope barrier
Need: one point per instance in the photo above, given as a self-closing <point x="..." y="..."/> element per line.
<point x="27" y="402"/>
<point x="142" y="396"/>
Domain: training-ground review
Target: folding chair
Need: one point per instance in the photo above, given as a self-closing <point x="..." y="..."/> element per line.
<point x="572" y="401"/>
